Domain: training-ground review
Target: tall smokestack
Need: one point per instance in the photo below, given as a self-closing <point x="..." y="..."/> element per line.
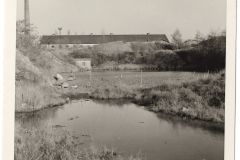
<point x="26" y="17"/>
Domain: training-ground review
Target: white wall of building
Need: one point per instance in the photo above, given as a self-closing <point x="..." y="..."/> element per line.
<point x="84" y="63"/>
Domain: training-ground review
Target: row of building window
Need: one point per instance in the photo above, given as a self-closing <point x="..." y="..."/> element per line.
<point x="67" y="45"/>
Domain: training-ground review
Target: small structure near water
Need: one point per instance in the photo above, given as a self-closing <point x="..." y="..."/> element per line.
<point x="84" y="63"/>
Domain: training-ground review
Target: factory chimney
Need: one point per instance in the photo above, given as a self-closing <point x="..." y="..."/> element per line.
<point x="26" y="17"/>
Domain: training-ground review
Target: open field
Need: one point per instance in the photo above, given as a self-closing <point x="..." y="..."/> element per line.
<point x="92" y="80"/>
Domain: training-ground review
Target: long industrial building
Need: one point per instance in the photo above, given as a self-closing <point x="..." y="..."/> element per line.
<point x="68" y="41"/>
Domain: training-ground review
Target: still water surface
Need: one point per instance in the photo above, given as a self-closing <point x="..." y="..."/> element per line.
<point x="131" y="129"/>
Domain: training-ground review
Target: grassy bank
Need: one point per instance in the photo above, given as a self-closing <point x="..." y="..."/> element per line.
<point x="35" y="69"/>
<point x="201" y="99"/>
<point x="57" y="144"/>
<point x="32" y="97"/>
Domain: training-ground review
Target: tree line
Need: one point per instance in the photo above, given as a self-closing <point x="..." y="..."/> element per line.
<point x="202" y="54"/>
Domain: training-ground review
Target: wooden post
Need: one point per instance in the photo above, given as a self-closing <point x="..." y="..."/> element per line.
<point x="90" y="77"/>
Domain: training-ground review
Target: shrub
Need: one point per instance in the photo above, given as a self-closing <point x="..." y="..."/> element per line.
<point x="165" y="46"/>
<point x="208" y="55"/>
<point x="167" y="60"/>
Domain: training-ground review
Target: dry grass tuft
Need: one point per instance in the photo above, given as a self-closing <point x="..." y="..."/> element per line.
<point x="34" y="96"/>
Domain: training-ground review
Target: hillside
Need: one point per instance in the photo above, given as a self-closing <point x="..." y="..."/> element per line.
<point x="35" y="79"/>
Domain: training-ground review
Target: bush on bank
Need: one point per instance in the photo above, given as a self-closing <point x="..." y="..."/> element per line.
<point x="203" y="99"/>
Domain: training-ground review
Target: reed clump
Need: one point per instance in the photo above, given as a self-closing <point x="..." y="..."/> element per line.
<point x="35" y="96"/>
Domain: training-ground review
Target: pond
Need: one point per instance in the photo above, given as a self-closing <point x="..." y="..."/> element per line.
<point x="132" y="129"/>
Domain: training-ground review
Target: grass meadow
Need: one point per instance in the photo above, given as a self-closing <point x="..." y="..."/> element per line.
<point x="133" y="80"/>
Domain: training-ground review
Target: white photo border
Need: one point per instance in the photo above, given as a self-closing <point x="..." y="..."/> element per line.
<point x="9" y="80"/>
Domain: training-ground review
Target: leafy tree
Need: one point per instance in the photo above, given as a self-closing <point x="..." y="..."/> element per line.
<point x="208" y="55"/>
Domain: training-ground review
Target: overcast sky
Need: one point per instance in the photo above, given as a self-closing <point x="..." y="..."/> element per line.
<point x="126" y="16"/>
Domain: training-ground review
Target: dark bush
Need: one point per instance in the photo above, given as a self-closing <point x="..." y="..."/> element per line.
<point x="208" y="55"/>
<point x="165" y="45"/>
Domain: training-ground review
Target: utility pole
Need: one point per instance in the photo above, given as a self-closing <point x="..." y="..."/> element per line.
<point x="90" y="77"/>
<point x="27" y="17"/>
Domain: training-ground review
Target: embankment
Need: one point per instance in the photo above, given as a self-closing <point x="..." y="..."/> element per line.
<point x="34" y="74"/>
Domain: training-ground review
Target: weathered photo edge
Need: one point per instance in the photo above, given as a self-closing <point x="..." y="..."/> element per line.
<point x="9" y="79"/>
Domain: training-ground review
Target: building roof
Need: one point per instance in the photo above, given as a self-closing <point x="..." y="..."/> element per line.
<point x="98" y="39"/>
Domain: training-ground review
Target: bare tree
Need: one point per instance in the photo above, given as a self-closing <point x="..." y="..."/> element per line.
<point x="212" y="34"/>
<point x="199" y="36"/>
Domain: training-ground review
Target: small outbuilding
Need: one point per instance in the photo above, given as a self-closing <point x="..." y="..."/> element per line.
<point x="84" y="63"/>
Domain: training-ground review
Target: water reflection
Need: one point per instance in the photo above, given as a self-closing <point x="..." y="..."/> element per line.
<point x="36" y="119"/>
<point x="114" y="103"/>
<point x="179" y="122"/>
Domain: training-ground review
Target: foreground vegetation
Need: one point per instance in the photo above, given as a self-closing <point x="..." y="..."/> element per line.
<point x="57" y="144"/>
<point x="31" y="97"/>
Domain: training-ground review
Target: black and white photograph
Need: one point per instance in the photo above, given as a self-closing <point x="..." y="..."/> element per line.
<point x="120" y="80"/>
